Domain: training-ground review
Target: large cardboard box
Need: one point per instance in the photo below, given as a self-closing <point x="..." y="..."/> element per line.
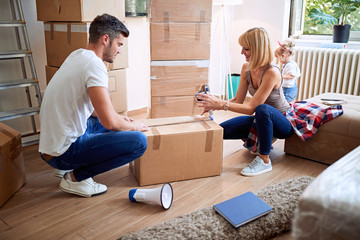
<point x="78" y="10"/>
<point x="117" y="89"/>
<point x="179" y="41"/>
<point x="12" y="170"/>
<point x="178" y="78"/>
<point x="172" y="106"/>
<point x="180" y="148"/>
<point x="181" y="10"/>
<point x="62" y="38"/>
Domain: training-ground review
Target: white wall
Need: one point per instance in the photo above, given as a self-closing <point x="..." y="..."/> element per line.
<point x="138" y="73"/>
<point x="273" y="15"/>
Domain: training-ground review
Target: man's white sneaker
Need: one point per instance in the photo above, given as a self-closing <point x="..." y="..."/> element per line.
<point x="256" y="167"/>
<point x="84" y="188"/>
<point x="60" y="173"/>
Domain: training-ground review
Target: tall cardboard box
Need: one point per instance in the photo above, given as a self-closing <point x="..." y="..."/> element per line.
<point x="181" y="10"/>
<point x="62" y="38"/>
<point x="117" y="89"/>
<point x="178" y="78"/>
<point x="179" y="40"/>
<point x="180" y="148"/>
<point x="78" y="10"/>
<point x="12" y="170"/>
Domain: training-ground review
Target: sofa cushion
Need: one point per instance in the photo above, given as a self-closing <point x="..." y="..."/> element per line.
<point x="335" y="138"/>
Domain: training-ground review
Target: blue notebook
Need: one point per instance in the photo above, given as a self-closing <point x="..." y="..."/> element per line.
<point x="242" y="209"/>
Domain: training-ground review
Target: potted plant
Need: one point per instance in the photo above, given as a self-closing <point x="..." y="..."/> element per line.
<point x="340" y="11"/>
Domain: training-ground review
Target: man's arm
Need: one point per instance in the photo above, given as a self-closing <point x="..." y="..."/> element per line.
<point x="107" y="115"/>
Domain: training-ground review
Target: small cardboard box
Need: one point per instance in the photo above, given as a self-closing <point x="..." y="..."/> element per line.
<point x="180" y="148"/>
<point x="78" y="10"/>
<point x="179" y="41"/>
<point x="117" y="89"/>
<point x="62" y="38"/>
<point x="172" y="106"/>
<point x="181" y="10"/>
<point x="12" y="170"/>
<point x="178" y="78"/>
<point x="49" y="72"/>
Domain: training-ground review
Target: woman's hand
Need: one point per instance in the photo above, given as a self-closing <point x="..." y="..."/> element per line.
<point x="209" y="102"/>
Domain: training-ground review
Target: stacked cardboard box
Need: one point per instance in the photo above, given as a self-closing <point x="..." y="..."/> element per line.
<point x="179" y="43"/>
<point x="12" y="170"/>
<point x="66" y="26"/>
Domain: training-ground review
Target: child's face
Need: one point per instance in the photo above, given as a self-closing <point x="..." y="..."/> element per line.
<point x="283" y="58"/>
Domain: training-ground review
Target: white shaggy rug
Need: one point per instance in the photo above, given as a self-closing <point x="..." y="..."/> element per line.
<point x="206" y="224"/>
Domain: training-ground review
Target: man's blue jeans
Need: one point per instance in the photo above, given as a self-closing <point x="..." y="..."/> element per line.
<point x="100" y="150"/>
<point x="270" y="123"/>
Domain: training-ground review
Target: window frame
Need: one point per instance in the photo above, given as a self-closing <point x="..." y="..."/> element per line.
<point x="296" y="28"/>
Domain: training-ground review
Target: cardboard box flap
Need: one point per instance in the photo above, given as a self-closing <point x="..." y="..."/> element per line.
<point x="181" y="126"/>
<point x="156" y="122"/>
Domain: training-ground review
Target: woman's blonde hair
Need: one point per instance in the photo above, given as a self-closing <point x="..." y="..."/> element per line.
<point x="286" y="47"/>
<point x="258" y="41"/>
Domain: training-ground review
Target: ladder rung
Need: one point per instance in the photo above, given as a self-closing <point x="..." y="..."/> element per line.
<point x="18" y="83"/>
<point x="30" y="139"/>
<point x="14" y="54"/>
<point x="19" y="113"/>
<point x="14" y="23"/>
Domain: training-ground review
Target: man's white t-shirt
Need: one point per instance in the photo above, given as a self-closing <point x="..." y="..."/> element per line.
<point x="290" y="68"/>
<point x="66" y="105"/>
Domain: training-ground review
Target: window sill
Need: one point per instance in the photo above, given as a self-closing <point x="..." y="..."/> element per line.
<point x="318" y="41"/>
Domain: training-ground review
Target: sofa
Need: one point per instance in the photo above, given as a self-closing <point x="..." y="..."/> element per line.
<point x="335" y="138"/>
<point x="329" y="208"/>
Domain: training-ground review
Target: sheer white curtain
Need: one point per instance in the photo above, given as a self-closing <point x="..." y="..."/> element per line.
<point x="220" y="66"/>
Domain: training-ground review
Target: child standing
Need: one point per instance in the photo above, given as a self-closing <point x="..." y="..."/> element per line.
<point x="289" y="69"/>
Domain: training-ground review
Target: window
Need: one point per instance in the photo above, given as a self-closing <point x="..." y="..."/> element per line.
<point x="302" y="26"/>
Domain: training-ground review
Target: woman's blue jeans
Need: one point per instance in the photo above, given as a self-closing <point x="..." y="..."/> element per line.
<point x="100" y="150"/>
<point x="270" y="123"/>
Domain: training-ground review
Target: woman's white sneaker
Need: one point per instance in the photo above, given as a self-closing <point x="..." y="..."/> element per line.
<point x="84" y="188"/>
<point x="256" y="167"/>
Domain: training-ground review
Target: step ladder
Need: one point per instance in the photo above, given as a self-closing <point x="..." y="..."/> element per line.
<point x="29" y="82"/>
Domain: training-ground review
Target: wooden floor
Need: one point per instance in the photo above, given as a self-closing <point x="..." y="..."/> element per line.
<point x="39" y="210"/>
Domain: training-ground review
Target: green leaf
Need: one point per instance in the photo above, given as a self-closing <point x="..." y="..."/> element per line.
<point x="320" y="17"/>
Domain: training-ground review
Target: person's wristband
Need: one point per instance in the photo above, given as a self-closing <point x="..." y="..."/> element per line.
<point x="227" y="105"/>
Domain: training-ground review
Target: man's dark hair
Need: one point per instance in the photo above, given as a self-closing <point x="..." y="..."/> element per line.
<point x="106" y="24"/>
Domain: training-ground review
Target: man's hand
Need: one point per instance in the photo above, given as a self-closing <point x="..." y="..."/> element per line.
<point x="139" y="126"/>
<point x="129" y="119"/>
